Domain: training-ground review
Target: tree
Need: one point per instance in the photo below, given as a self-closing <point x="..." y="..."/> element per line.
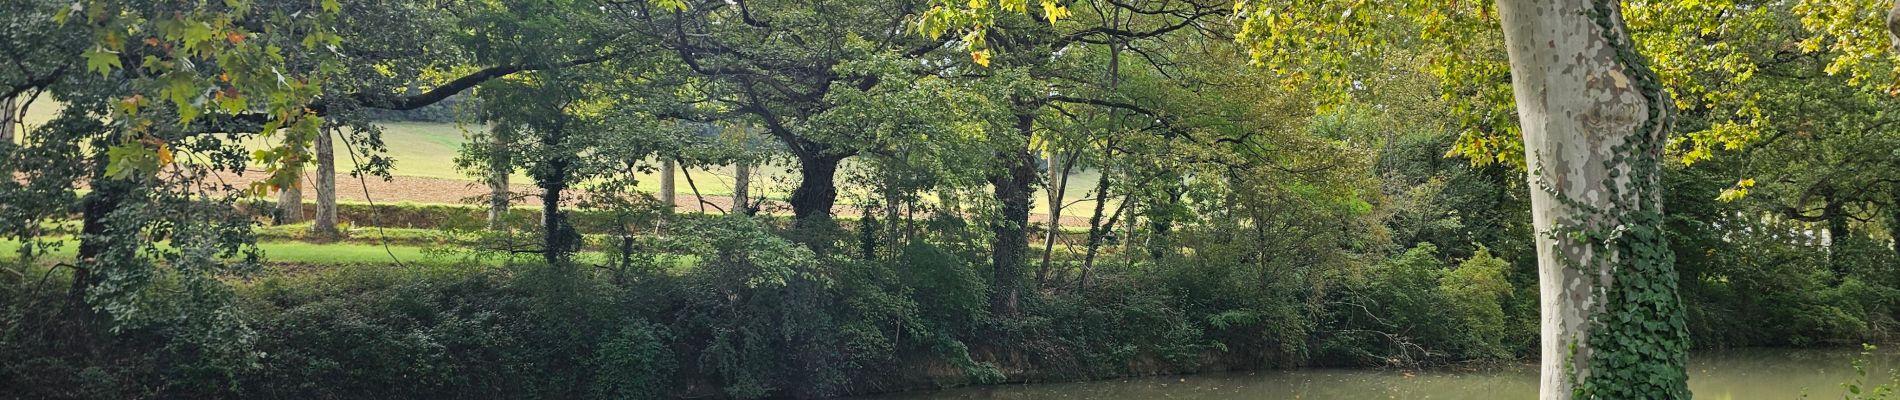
<point x="1035" y="45"/>
<point x="1594" y="120"/>
<point x="777" y="61"/>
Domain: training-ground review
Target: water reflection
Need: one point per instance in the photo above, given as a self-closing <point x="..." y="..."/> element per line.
<point x="1717" y="375"/>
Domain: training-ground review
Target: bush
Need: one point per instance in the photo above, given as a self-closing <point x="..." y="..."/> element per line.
<point x="1413" y="310"/>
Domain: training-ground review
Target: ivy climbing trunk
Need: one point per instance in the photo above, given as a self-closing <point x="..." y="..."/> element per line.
<point x="558" y="238"/>
<point x="102" y="245"/>
<point x="1593" y="118"/>
<point x="1010" y="245"/>
<point x="323" y="225"/>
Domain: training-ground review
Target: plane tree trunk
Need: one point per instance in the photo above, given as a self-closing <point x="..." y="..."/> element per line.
<point x="323" y="225"/>
<point x="1594" y="119"/>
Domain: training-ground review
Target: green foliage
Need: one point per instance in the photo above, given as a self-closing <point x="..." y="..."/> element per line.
<point x="1478" y="289"/>
<point x="1413" y="310"/>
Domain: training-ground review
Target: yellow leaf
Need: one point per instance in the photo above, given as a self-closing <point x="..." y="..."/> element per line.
<point x="164" y="154"/>
<point x="1054" y="11"/>
<point x="981" y="57"/>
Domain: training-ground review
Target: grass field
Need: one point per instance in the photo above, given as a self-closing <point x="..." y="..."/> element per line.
<point x="428" y="150"/>
<point x="291" y="252"/>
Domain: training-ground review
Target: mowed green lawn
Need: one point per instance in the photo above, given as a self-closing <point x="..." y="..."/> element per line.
<point x="291" y="252"/>
<point x="428" y="150"/>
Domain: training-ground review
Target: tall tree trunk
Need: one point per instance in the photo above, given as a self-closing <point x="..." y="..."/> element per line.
<point x="1011" y="243"/>
<point x="324" y="224"/>
<point x="668" y="188"/>
<point x="817" y="191"/>
<point x="1059" y="176"/>
<point x="500" y="167"/>
<point x="742" y="174"/>
<point x="290" y="201"/>
<point x="1594" y="117"/>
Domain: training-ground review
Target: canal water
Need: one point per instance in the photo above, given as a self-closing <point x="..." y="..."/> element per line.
<point x="1713" y="375"/>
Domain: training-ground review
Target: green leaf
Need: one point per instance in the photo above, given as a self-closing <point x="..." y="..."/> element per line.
<point x="102" y="61"/>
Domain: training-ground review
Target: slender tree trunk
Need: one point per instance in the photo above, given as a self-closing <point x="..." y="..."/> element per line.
<point x="1161" y="222"/>
<point x="868" y="230"/>
<point x="559" y="240"/>
<point x="500" y="167"/>
<point x="9" y="113"/>
<point x="1011" y="242"/>
<point x="1057" y="194"/>
<point x="742" y="188"/>
<point x="668" y="187"/>
<point x="290" y="201"/>
<point x="1893" y="216"/>
<point x="1098" y="230"/>
<point x="1594" y="118"/>
<point x="1835" y="212"/>
<point x="324" y="224"/>
<point x="742" y="174"/>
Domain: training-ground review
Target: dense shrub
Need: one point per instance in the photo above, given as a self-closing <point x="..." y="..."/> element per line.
<point x="755" y="315"/>
<point x="1413" y="309"/>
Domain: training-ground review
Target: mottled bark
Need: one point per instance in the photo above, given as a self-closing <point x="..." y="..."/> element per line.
<point x="1893" y="221"/>
<point x="742" y="188"/>
<point x="323" y="225"/>
<point x="1011" y="242"/>
<point x="742" y="175"/>
<point x="1893" y="25"/>
<point x="1059" y="166"/>
<point x="500" y="167"/>
<point x="1583" y="100"/>
<point x="668" y="188"/>
<point x="1835" y="212"/>
<point x="290" y="201"/>
<point x="9" y="115"/>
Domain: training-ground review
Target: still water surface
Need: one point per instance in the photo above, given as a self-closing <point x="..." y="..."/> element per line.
<point x="1717" y="375"/>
